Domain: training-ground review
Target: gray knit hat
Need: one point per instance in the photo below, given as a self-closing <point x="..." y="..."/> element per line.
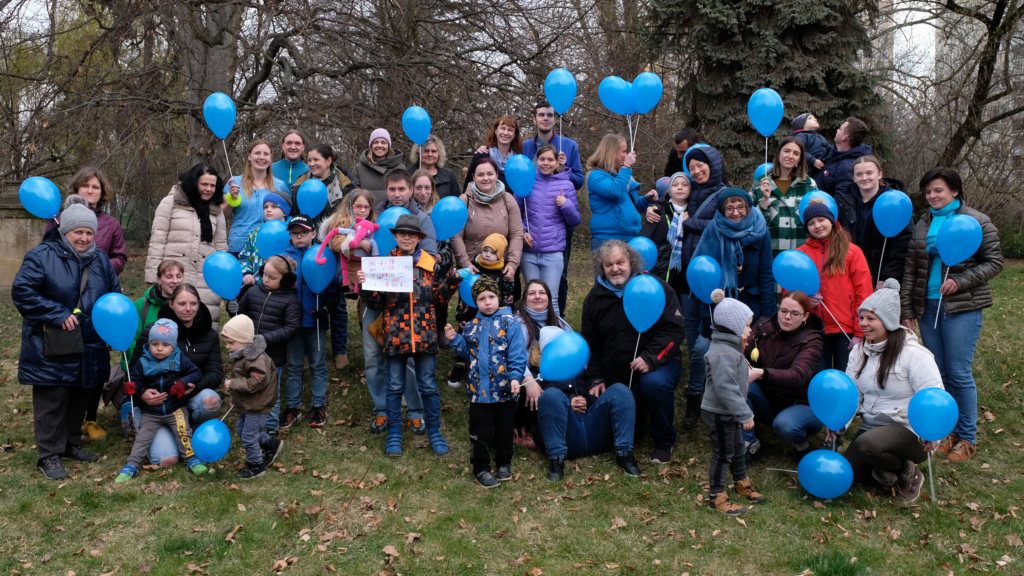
<point x="730" y="313"/>
<point x="76" y="216"/>
<point x="885" y="303"/>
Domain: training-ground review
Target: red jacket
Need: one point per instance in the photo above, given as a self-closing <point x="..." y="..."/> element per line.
<point x="841" y="294"/>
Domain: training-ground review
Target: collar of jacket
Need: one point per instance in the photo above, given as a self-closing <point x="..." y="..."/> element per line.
<point x="180" y="199"/>
<point x="413" y="207"/>
<point x="57" y="243"/>
<point x="878" y="348"/>
<point x="731" y="340"/>
<point x="153" y="367"/>
<point x="252" y="350"/>
<point x="506" y="311"/>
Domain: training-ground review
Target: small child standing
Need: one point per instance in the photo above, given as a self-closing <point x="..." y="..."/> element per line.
<point x="252" y="382"/>
<point x="816" y="148"/>
<point x="358" y="204"/>
<point x="164" y="369"/>
<point x="667" y="232"/>
<point x="275" y="207"/>
<point x="495" y="348"/>
<point x="724" y="410"/>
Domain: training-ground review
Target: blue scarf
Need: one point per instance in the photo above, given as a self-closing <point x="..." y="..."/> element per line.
<point x="724" y="241"/>
<point x="675" y="238"/>
<point x="153" y="367"/>
<point x="500" y="160"/>
<point x="938" y="219"/>
<point x="617" y="291"/>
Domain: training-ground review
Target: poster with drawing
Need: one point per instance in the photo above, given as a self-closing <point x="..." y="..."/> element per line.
<point x="388" y="274"/>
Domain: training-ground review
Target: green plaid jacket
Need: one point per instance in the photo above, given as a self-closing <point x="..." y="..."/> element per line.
<point x="784" y="226"/>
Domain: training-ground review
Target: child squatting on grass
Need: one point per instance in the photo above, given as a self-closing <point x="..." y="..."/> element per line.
<point x="494" y="345"/>
<point x="166" y="370"/>
<point x="724" y="410"/>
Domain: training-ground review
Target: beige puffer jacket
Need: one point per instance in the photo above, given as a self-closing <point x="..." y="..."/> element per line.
<point x="175" y="236"/>
<point x="500" y="216"/>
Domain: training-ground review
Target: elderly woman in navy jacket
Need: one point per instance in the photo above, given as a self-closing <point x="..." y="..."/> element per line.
<point x="55" y="290"/>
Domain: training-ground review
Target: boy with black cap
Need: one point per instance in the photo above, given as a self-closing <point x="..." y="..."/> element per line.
<point x="410" y="331"/>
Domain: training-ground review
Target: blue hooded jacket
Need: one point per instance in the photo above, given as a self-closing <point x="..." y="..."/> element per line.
<point x="496" y="350"/>
<point x="701" y="206"/>
<point x="614" y="214"/>
<point x="815" y="148"/>
<point x="837" y="177"/>
<point x="148" y="373"/>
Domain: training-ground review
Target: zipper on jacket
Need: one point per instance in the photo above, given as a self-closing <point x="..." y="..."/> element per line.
<point x="258" y="322"/>
<point x="412" y="324"/>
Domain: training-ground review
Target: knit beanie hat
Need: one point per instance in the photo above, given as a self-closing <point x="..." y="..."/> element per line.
<point x="73" y="199"/>
<point x="799" y="122"/>
<point x="731" y="192"/>
<point x="817" y="208"/>
<point x="662" y="186"/>
<point x="498" y="243"/>
<point x="485" y="284"/>
<point x="164" y="330"/>
<point x="547" y="335"/>
<point x="283" y="203"/>
<point x="729" y="313"/>
<point x="77" y="216"/>
<point x="240" y="329"/>
<point x="696" y="154"/>
<point x="885" y="303"/>
<point x="380" y="133"/>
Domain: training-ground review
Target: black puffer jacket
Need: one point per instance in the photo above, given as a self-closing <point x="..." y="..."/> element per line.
<point x="277" y="317"/>
<point x="200" y="343"/>
<point x="658" y="233"/>
<point x="895" y="248"/>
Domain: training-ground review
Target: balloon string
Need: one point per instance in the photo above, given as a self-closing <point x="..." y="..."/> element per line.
<point x="931" y="480"/>
<point x="318" y="323"/>
<point x="559" y="133"/>
<point x="836" y="321"/>
<point x="131" y="404"/>
<point x="782" y="470"/>
<point x="226" y="160"/>
<point x="526" y="211"/>
<point x="939" y="309"/>
<point x="765" y="149"/>
<point x="629" y="130"/>
<point x="226" y="413"/>
<point x="635" y="350"/>
<point x="880" y="260"/>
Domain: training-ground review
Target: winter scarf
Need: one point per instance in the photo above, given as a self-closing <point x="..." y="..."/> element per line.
<point x="939" y="218"/>
<point x="617" y="291"/>
<point x="500" y="160"/>
<point x="724" y="241"/>
<point x="202" y="208"/>
<point x="675" y="237"/>
<point x="499" y="189"/>
<point x="81" y="256"/>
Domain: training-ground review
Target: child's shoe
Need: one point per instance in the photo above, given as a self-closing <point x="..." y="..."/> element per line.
<point x="393" y="445"/>
<point x="418" y="427"/>
<point x="291" y="416"/>
<point x="438" y="443"/>
<point x="962" y="451"/>
<point x="722" y="503"/>
<point x="196" y="466"/>
<point x="127" y="473"/>
<point x="271" y="450"/>
<point x="93" y="430"/>
<point x="317" y="416"/>
<point x="252" y="470"/>
<point x="504" y="473"/>
<point x="379" y="424"/>
<point x="486" y="480"/>
<point x="744" y="489"/>
<point x="457" y="374"/>
<point x="946" y="444"/>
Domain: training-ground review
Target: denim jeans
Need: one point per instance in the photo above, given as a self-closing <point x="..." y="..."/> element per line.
<point x="312" y="343"/>
<point x="397" y="367"/>
<point x="952" y="344"/>
<point x="164" y="446"/>
<point x="606" y="425"/>
<point x="696" y="345"/>
<point x="375" y="369"/>
<point x="339" y="328"/>
<point x="250" y="429"/>
<point x="835" y="352"/>
<point x="546" y="266"/>
<point x="563" y="282"/>
<point x="655" y="397"/>
<point x="793" y="423"/>
<point x="275" y="412"/>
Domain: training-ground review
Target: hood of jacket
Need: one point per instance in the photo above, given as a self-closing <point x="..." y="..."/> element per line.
<point x="855" y="152"/>
<point x="384" y="165"/>
<point x="201" y="324"/>
<point x="716" y="180"/>
<point x="252" y="350"/>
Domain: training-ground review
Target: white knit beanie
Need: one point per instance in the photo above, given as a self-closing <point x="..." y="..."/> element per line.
<point x="730" y="313"/>
<point x="885" y="303"/>
<point x="76" y="215"/>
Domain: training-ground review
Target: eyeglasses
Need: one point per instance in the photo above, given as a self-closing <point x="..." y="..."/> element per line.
<point x="791" y="313"/>
<point x="736" y="210"/>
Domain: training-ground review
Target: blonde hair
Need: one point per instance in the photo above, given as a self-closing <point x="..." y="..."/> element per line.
<point x="433" y="189"/>
<point x="442" y="154"/>
<point x="282" y="264"/>
<point x="604" y="157"/>
<point x="248" y="180"/>
<point x="343" y="218"/>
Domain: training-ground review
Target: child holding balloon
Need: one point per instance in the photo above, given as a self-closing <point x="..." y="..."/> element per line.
<point x="275" y="207"/>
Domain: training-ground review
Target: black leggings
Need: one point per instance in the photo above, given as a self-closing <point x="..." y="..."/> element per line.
<point x="885" y="448"/>
<point x="491" y="425"/>
<point x="92" y="402"/>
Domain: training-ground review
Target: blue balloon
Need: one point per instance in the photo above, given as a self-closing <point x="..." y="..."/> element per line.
<point x="648" y="252"/>
<point x="765" y="111"/>
<point x="794" y="270"/>
<point x="520" y="175"/>
<point x="958" y="239"/>
<point x="761" y="171"/>
<point x="892" y="212"/>
<point x="564" y="358"/>
<point x="211" y="441"/>
<point x="272" y="239"/>
<point x="933" y="414"/>
<point x="385" y="241"/>
<point x="616" y="95"/>
<point x="416" y="123"/>
<point x="40" y="197"/>
<point x="704" y="275"/>
<point x="466" y="290"/>
<point x="219" y="113"/>
<point x="824" y="196"/>
<point x="560" y="89"/>
<point x="825" y="474"/>
<point x="223" y="274"/>
<point x="644" y="301"/>
<point x="646" y="91"/>
<point x="312" y="197"/>
<point x="449" y="217"/>
<point x="833" y="397"/>
<point x="318" y="276"/>
<point x="115" y="319"/>
<point x="686" y="161"/>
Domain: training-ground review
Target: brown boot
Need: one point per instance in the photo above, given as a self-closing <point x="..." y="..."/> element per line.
<point x="340" y="361"/>
<point x="946" y="445"/>
<point x="723" y="504"/>
<point x="884" y="477"/>
<point x="909" y="481"/>
<point x="962" y="451"/>
<point x="744" y="489"/>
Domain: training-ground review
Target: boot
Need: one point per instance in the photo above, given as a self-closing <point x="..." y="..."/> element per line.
<point x="962" y="451"/>
<point x="692" y="410"/>
<point x="909" y="481"/>
<point x="340" y="361"/>
<point x="884" y="477"/>
<point x="252" y="470"/>
<point x="722" y="503"/>
<point x="744" y="489"/>
<point x="946" y="444"/>
<point x="556" y="469"/>
<point x="628" y="463"/>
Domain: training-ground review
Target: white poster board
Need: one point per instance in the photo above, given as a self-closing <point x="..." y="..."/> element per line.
<point x="388" y="274"/>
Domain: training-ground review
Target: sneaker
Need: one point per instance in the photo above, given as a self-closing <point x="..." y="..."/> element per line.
<point x="126" y="474"/>
<point x="52" y="468"/>
<point x="317" y="417"/>
<point x="556" y="469"/>
<point x="340" y="361"/>
<point x="457" y="374"/>
<point x="504" y="473"/>
<point x="744" y="489"/>
<point x="909" y="481"/>
<point x="628" y="463"/>
<point x="722" y="503"/>
<point x="946" y="445"/>
<point x="379" y="424"/>
<point x="78" y="453"/>
<point x="93" y="430"/>
<point x="418" y="427"/>
<point x="962" y="451"/>
<point x="252" y="470"/>
<point x="271" y="432"/>
<point x="291" y="416"/>
<point x="662" y="455"/>
<point x="271" y="450"/>
<point x="486" y="480"/>
<point x="196" y="466"/>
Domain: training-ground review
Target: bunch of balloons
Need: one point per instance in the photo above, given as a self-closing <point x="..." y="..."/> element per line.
<point x="638" y="97"/>
<point x="834" y="399"/>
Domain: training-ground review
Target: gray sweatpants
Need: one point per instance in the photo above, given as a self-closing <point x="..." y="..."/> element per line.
<point x="177" y="421"/>
<point x="727" y="449"/>
<point x="250" y="428"/>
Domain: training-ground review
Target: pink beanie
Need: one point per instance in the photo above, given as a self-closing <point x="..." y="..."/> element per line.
<point x="380" y="133"/>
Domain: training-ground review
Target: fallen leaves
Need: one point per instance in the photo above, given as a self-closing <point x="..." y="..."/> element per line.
<point x="412" y="537"/>
<point x="241" y="507"/>
<point x="1013" y="539"/>
<point x="231" y="535"/>
<point x="280" y="565"/>
<point x="618" y="523"/>
<point x="112" y="572"/>
<point x="535" y="572"/>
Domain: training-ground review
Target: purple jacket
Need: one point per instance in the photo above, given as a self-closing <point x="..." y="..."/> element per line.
<point x="109" y="238"/>
<point x="543" y="219"/>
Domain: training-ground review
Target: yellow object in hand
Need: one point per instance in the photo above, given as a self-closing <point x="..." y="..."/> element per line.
<point x="234" y="201"/>
<point x="754" y="355"/>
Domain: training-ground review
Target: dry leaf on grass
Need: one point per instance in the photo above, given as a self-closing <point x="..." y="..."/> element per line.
<point x="535" y="572"/>
<point x="391" y="551"/>
<point x="462" y="524"/>
<point x="412" y="537"/>
<point x="94" y="553"/>
<point x="112" y="572"/>
<point x="618" y="523"/>
<point x="818" y="504"/>
<point x="279" y="565"/>
<point x="740" y="520"/>
<point x="611" y="565"/>
<point x="1013" y="539"/>
<point x="231" y="535"/>
<point x="241" y="507"/>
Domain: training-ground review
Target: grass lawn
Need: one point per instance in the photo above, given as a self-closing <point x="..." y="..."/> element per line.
<point x="338" y="504"/>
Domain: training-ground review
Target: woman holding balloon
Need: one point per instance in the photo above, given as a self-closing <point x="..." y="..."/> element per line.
<point x="953" y="254"/>
<point x="431" y="158"/>
<point x="62" y="356"/>
<point x="612" y="192"/>
<point x="321" y="167"/>
<point x="92" y="186"/>
<point x="244" y="194"/>
<point x="780" y="193"/>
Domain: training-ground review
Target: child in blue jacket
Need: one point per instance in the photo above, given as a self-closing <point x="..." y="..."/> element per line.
<point x="816" y="148"/>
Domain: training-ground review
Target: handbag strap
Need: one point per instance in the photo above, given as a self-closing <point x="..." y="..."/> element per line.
<point x="81" y="289"/>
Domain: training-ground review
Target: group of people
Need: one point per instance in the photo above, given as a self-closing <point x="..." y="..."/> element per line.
<point x="750" y="356"/>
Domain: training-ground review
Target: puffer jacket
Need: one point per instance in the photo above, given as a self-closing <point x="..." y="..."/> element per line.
<point x="547" y="222"/>
<point x="446" y="183"/>
<point x="501" y="216"/>
<point x="148" y="373"/>
<point x="613" y="205"/>
<point x="701" y="207"/>
<point x="841" y="294"/>
<point x="789" y="359"/>
<point x="276" y="316"/>
<point x="782" y="215"/>
<point x="428" y="244"/>
<point x="309" y="301"/>
<point x="914" y="371"/>
<point x="109" y="238"/>
<point x="895" y="255"/>
<point x="815" y="148"/>
<point x="253" y="380"/>
<point x="175" y="235"/>
<point x="496" y="350"/>
<point x="45" y="291"/>
<point x="971" y="275"/>
<point x="199" y="342"/>
<point x="370" y="176"/>
<point x="409" y="323"/>
<point x="837" y="176"/>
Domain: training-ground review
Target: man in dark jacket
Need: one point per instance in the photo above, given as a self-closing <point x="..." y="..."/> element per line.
<point x="398" y="185"/>
<point x="651" y="365"/>
<point x="837" y="176"/>
<point x="684" y="139"/>
<point x="856" y="217"/>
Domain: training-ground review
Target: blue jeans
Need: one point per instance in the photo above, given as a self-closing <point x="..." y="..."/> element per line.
<point x="546" y="266"/>
<point x="375" y="369"/>
<point x="163" y="450"/>
<point x="339" y="328"/>
<point x="696" y="345"/>
<point x="563" y="282"/>
<point x="793" y="423"/>
<point x="275" y="412"/>
<point x="952" y="344"/>
<point x="425" y="364"/>
<point x="655" y="397"/>
<point x="835" y="352"/>
<point x="250" y="430"/>
<point x="312" y="343"/>
<point x="606" y="425"/>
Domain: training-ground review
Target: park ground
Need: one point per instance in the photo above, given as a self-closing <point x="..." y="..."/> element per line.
<point x="337" y="505"/>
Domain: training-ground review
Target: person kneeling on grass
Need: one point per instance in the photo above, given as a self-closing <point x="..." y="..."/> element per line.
<point x="493" y="344"/>
<point x="253" y="386"/>
<point x="170" y="373"/>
